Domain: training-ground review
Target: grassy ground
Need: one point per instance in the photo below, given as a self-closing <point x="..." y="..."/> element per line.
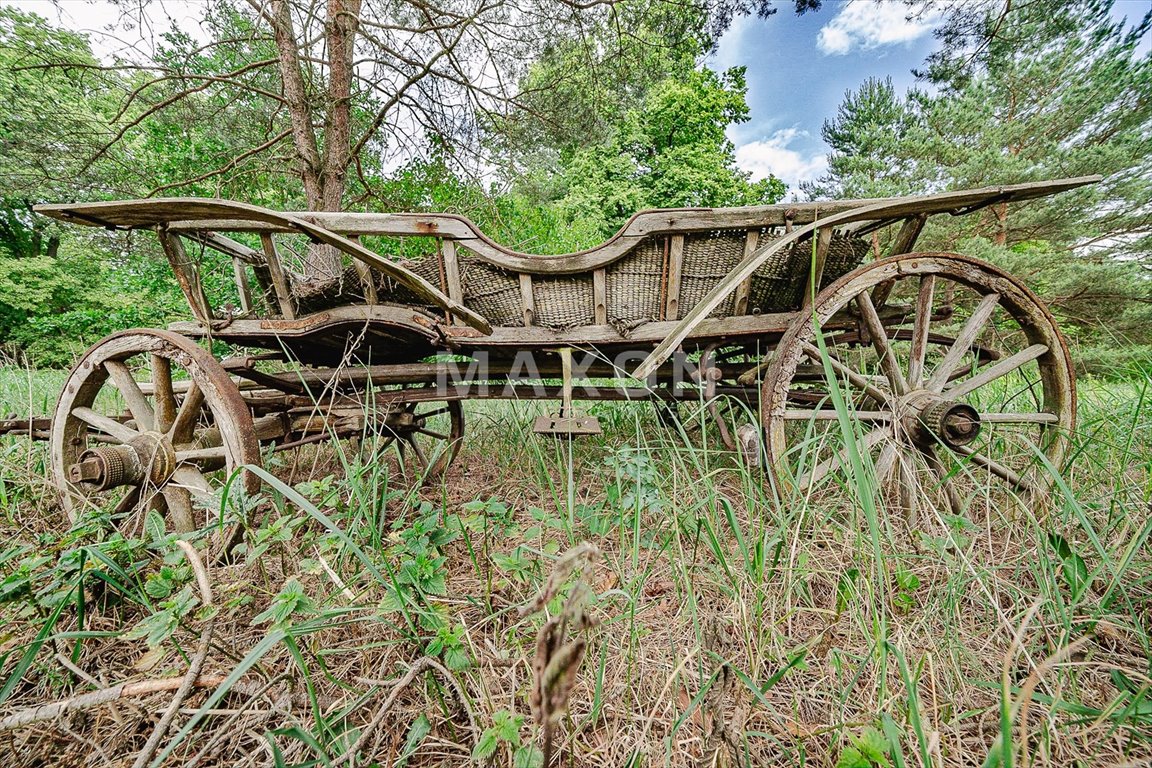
<point x="369" y="620"/>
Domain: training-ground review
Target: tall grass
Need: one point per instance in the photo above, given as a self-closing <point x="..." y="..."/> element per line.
<point x="735" y="623"/>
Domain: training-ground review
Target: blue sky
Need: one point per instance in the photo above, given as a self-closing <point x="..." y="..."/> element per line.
<point x="800" y="67"/>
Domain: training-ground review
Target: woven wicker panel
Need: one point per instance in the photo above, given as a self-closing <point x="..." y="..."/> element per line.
<point x="563" y="302"/>
<point x="388" y="290"/>
<point x="708" y="259"/>
<point x="350" y="290"/>
<point x="633" y="284"/>
<point x="493" y="292"/>
<point x="778" y="286"/>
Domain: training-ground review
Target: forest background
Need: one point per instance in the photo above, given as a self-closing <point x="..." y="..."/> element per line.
<point x="549" y="123"/>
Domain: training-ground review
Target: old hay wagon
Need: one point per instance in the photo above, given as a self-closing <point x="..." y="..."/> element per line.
<point x="954" y="374"/>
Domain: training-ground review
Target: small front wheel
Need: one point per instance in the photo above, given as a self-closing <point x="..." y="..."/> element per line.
<point x="148" y="420"/>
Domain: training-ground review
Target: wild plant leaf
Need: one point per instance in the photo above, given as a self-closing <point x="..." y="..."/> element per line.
<point x="528" y="756"/>
<point x="417" y="732"/>
<point x="1073" y="567"/>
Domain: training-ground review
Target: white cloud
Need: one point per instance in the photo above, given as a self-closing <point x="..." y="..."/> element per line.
<point x="772" y="156"/>
<point x="870" y="24"/>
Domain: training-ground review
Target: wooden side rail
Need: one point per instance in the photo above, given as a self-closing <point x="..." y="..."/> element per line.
<point x="196" y="214"/>
<point x="160" y="213"/>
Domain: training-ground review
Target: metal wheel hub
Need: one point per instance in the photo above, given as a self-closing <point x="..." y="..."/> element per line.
<point x="403" y="421"/>
<point x="149" y="456"/>
<point x="930" y="419"/>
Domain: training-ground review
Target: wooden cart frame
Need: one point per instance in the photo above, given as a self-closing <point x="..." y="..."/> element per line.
<point x="776" y="307"/>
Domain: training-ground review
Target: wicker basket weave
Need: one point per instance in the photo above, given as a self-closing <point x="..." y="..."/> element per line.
<point x="635" y="283"/>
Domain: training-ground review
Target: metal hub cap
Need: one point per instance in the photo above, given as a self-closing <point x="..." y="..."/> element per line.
<point x="149" y="456"/>
<point x="930" y="419"/>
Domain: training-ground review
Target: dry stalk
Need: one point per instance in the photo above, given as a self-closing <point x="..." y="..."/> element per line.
<point x="422" y="664"/>
<point x="557" y="661"/>
<point x="1024" y="699"/>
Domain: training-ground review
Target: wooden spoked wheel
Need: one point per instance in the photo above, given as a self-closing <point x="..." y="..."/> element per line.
<point x="720" y="415"/>
<point x="957" y="381"/>
<point x="149" y="420"/>
<point x="427" y="436"/>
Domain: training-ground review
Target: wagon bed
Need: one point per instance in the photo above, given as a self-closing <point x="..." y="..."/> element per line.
<point x="751" y="313"/>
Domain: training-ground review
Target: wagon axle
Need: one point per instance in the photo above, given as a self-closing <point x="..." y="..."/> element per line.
<point x="929" y="419"/>
<point x="147" y="457"/>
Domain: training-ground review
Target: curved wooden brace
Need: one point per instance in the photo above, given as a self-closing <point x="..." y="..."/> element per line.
<point x="197" y="209"/>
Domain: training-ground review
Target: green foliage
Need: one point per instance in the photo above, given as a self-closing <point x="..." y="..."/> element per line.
<point x="867" y="138"/>
<point x="670" y="151"/>
<point x="157" y="627"/>
<point x="869" y="750"/>
<point x="291" y="603"/>
<point x="1026" y="92"/>
<point x="448" y="644"/>
<point x="505" y="730"/>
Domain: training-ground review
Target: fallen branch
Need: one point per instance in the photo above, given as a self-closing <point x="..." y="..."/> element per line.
<point x="103" y="696"/>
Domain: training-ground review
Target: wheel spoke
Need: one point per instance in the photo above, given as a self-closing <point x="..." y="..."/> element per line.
<point x="879" y="336"/>
<point x="994" y="467"/>
<point x="885" y="463"/>
<point x="436" y="435"/>
<point x="432" y="413"/>
<point x="997" y="370"/>
<point x="133" y="396"/>
<point x="179" y="508"/>
<point x="964" y="341"/>
<point x="1019" y="418"/>
<point x="126" y="504"/>
<point x="418" y="451"/>
<point x="215" y="454"/>
<point x="184" y="426"/>
<point x="162" y="393"/>
<point x="191" y="478"/>
<point x="109" y="426"/>
<point x="832" y="463"/>
<point x="804" y="414"/>
<point x="920" y="329"/>
<point x="945" y="480"/>
<point x="855" y="378"/>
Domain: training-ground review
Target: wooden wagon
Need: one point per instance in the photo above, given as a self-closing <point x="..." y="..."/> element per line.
<point x="949" y="367"/>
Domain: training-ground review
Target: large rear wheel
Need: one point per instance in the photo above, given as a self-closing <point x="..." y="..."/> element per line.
<point x="955" y="378"/>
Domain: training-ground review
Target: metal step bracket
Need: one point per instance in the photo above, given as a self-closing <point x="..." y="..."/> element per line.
<point x="566" y="423"/>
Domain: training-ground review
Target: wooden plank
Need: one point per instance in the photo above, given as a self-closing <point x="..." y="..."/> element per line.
<point x="240" y="273"/>
<point x="452" y="272"/>
<point x="744" y="290"/>
<point x="187" y="276"/>
<point x="909" y="231"/>
<point x="227" y="246"/>
<point x="364" y="272"/>
<point x="528" y="299"/>
<point x="675" y="269"/>
<point x="600" y="296"/>
<point x="279" y="278"/>
<point x="505" y="337"/>
<point x="816" y="272"/>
